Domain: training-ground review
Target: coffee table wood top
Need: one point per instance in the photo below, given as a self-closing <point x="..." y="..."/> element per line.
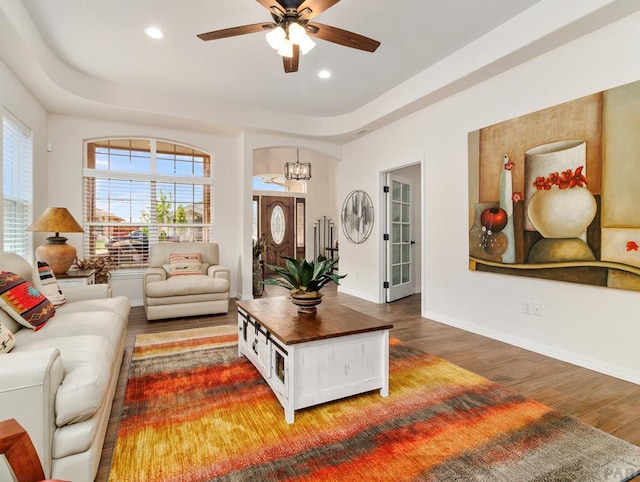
<point x="282" y="319"/>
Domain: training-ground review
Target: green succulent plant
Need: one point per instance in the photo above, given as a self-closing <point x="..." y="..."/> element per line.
<point x="305" y="277"/>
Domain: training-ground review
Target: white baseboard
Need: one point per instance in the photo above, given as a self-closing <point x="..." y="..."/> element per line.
<point x="600" y="366"/>
<point x="357" y="294"/>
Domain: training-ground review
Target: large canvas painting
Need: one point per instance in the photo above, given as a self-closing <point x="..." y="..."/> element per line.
<point x="556" y="194"/>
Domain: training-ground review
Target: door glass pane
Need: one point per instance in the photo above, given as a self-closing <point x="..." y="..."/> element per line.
<point x="300" y="225"/>
<point x="405" y="273"/>
<point x="397" y="212"/>
<point x="396" y="189"/>
<point x="396" y="254"/>
<point x="395" y="233"/>
<point x="405" y="233"/>
<point x="254" y="220"/>
<point x="396" y="276"/>
<point x="277" y="225"/>
<point x="406" y="253"/>
<point x="405" y="213"/>
<point x="406" y="193"/>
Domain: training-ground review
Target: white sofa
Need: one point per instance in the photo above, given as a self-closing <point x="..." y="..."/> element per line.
<point x="167" y="296"/>
<point x="59" y="382"/>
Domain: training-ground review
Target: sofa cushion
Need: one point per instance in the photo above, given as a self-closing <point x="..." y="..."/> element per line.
<point x="7" y="340"/>
<point x="50" y="287"/>
<point x="71" y="324"/>
<point x="23" y="301"/>
<point x="118" y="304"/>
<point x="88" y="361"/>
<point x="185" y="264"/>
<point x="186" y="285"/>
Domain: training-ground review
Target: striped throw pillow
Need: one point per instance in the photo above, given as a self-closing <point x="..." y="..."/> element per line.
<point x="50" y="286"/>
<point x="183" y="264"/>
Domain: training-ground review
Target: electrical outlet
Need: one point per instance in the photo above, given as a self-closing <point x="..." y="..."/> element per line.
<point x="537" y="308"/>
<point x="527" y="307"/>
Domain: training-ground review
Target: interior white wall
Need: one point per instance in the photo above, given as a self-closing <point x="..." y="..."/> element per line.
<point x="17" y="100"/>
<point x="592" y="326"/>
<point x="66" y="161"/>
<point x="249" y="144"/>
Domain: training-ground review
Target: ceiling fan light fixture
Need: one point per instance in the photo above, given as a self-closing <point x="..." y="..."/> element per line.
<point x="286" y="49"/>
<point x="298" y="36"/>
<point x="275" y="37"/>
<point x="296" y="33"/>
<point x="306" y="45"/>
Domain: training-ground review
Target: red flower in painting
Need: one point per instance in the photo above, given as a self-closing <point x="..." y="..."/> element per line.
<point x="632" y="246"/>
<point x="517" y="197"/>
<point x="539" y="183"/>
<point x="509" y="165"/>
<point x="567" y="179"/>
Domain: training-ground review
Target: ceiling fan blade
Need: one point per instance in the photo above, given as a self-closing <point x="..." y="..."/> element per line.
<point x="342" y="37"/>
<point x="291" y="63"/>
<point x="316" y="7"/>
<point x="233" y="31"/>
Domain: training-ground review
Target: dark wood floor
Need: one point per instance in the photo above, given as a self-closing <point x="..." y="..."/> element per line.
<point x="604" y="402"/>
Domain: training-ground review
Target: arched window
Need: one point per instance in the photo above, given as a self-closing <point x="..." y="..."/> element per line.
<point x="277" y="183"/>
<point x="142" y="191"/>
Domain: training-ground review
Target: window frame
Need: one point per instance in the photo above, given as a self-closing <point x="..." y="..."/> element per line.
<point x="155" y="231"/>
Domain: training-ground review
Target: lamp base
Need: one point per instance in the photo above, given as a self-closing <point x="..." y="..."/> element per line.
<point x="58" y="256"/>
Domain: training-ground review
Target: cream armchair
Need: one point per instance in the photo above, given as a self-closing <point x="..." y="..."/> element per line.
<point x="167" y="296"/>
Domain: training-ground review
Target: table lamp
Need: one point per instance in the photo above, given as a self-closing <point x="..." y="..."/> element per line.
<point x="56" y="252"/>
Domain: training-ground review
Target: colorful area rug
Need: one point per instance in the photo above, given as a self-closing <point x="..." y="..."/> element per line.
<point x="194" y="411"/>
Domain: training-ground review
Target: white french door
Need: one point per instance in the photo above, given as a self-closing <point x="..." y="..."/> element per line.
<point x="399" y="243"/>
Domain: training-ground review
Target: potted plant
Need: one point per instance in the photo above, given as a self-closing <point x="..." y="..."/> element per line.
<point x="304" y="279"/>
<point x="260" y="248"/>
<point x="102" y="264"/>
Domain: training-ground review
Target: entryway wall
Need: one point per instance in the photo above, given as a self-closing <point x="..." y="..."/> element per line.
<point x="320" y="198"/>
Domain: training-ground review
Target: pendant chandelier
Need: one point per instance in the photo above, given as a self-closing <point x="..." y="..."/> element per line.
<point x="297" y="170"/>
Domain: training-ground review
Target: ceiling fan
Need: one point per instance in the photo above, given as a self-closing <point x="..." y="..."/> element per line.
<point x="291" y="27"/>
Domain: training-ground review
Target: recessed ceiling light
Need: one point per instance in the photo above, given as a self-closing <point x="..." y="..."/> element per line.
<point x="154" y="32"/>
<point x="324" y="74"/>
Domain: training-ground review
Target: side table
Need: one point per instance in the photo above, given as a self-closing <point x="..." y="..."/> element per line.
<point x="77" y="277"/>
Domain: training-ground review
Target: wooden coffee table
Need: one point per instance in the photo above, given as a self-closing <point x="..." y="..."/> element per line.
<point x="311" y="359"/>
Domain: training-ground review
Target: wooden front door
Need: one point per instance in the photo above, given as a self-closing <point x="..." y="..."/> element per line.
<point x="277" y="221"/>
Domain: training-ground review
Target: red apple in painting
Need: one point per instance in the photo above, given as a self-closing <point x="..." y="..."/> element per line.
<point x="494" y="219"/>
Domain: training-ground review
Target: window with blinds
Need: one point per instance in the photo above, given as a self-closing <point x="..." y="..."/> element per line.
<point x="17" y="186"/>
<point x="143" y="191"/>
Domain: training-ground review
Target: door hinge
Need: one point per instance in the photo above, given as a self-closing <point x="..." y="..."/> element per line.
<point x="385" y="284"/>
<point x="385" y="189"/>
<point x="385" y="237"/>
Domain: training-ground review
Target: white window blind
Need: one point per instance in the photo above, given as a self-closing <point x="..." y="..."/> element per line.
<point x="143" y="191"/>
<point x="17" y="186"/>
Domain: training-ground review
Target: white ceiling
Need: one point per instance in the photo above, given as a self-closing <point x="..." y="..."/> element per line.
<point x="91" y="57"/>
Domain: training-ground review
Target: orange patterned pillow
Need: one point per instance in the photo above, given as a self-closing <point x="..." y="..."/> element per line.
<point x="23" y="302"/>
<point x="181" y="264"/>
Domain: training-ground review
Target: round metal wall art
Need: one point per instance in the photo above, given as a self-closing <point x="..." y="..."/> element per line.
<point x="357" y="216"/>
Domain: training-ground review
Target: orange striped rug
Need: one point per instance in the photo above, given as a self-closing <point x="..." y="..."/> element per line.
<point x="195" y="411"/>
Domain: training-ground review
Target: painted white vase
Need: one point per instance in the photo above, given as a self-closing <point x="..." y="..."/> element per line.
<point x="562" y="213"/>
<point x="540" y="161"/>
